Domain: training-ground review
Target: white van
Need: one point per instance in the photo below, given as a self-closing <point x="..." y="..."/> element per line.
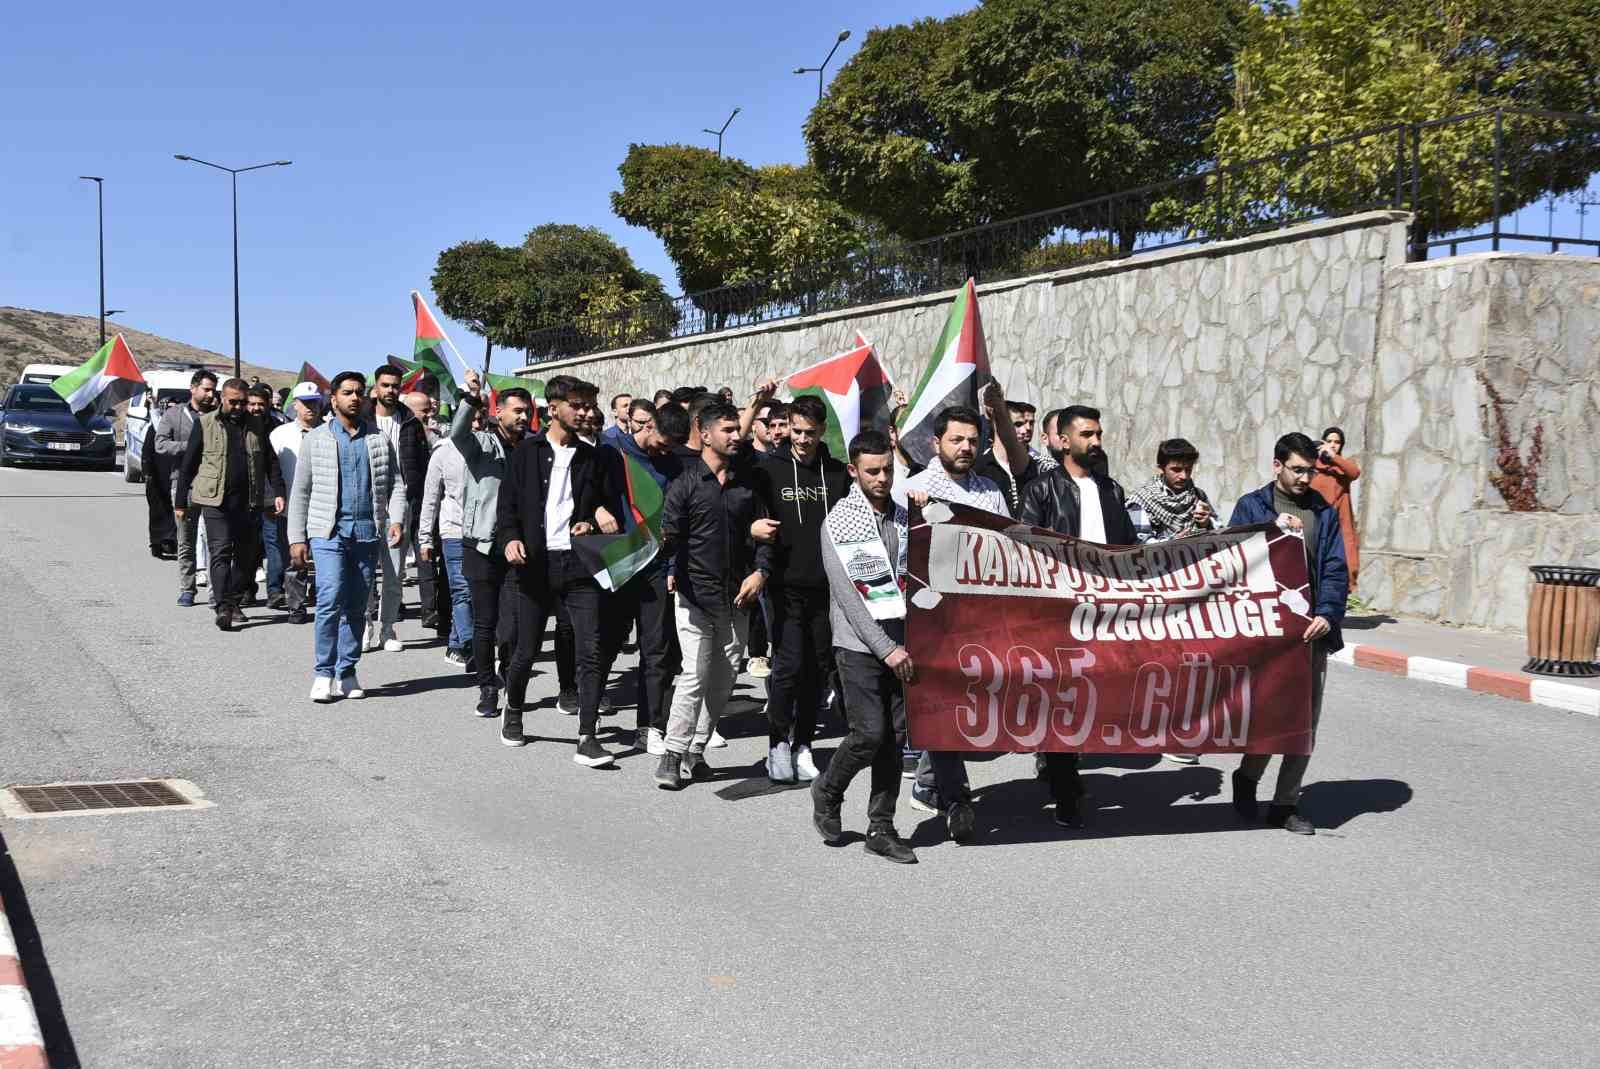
<point x="45" y="374"/>
<point x="166" y="384"/>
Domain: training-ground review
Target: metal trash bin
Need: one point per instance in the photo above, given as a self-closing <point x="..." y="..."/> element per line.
<point x="1564" y="622"/>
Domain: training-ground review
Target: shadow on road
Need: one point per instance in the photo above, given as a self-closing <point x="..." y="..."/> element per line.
<point x="1335" y="803"/>
<point x="59" y="1047"/>
<point x="1367" y="623"/>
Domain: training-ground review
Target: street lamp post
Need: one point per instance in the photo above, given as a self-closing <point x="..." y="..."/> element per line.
<point x="844" y="35"/>
<point x="720" y="132"/>
<point x="234" y="172"/>
<point x="100" y="203"/>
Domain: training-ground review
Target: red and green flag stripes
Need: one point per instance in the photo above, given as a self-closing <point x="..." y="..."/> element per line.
<point x="856" y="390"/>
<point x="428" y="353"/>
<point x="535" y="387"/>
<point x="313" y="376"/>
<point x="614" y="559"/>
<point x="107" y="379"/>
<point x="957" y="370"/>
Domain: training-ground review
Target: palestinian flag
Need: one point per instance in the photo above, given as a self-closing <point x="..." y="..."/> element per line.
<point x="312" y="375"/>
<point x="496" y="383"/>
<point x="428" y="353"/>
<point x="614" y="559"/>
<point x="856" y="390"/>
<point x="107" y="379"/>
<point x="957" y="370"/>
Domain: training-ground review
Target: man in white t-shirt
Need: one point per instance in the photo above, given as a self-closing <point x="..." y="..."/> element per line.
<point x="285" y="441"/>
<point x="1080" y="500"/>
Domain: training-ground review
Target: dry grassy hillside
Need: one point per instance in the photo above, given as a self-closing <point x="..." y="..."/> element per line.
<point x="30" y="337"/>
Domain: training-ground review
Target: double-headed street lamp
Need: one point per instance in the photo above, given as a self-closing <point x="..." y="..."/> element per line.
<point x="720" y="132"/>
<point x="100" y="203"/>
<point x="844" y="35"/>
<point x="235" y="172"/>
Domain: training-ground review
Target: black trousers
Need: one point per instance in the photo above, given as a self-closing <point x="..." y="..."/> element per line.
<point x="565" y="583"/>
<point x="802" y="661"/>
<point x="490" y="582"/>
<point x="158" y="496"/>
<point x="233" y="542"/>
<point x="643" y="603"/>
<point x="874" y="709"/>
<point x="567" y="653"/>
<point x="1061" y="769"/>
<point x="756" y="644"/>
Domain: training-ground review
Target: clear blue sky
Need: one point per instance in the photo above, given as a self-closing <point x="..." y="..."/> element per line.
<point x="412" y="126"/>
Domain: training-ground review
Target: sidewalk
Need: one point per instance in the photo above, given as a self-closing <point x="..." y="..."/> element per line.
<point x="21" y="1045"/>
<point x="1486" y="661"/>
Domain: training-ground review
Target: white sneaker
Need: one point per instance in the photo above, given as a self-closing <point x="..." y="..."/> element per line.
<point x="657" y="742"/>
<point x="202" y="579"/>
<point x="351" y="686"/>
<point x="759" y="667"/>
<point x="335" y="688"/>
<point x="322" y="689"/>
<point x="1182" y="758"/>
<point x="393" y="644"/>
<point x="805" y="769"/>
<point x="717" y="742"/>
<point x="372" y="640"/>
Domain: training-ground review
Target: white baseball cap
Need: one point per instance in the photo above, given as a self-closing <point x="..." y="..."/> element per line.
<point x="307" y="391"/>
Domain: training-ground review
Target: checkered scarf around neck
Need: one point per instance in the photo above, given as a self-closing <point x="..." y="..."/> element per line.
<point x="1171" y="511"/>
<point x="854" y="522"/>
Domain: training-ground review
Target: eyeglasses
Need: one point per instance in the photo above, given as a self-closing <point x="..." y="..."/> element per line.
<point x="1299" y="469"/>
<point x="641" y="424"/>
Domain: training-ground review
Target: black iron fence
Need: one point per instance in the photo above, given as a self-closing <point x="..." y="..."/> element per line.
<point x="1494" y="179"/>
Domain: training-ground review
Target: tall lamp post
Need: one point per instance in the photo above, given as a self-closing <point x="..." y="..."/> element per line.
<point x="234" y="172"/>
<point x="844" y="35"/>
<point x="100" y="203"/>
<point x="720" y="132"/>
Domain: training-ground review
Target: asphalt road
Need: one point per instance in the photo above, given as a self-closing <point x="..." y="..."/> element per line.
<point x="381" y="883"/>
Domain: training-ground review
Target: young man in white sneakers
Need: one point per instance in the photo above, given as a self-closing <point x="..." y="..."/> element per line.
<point x="554" y="489"/>
<point x="346" y="494"/>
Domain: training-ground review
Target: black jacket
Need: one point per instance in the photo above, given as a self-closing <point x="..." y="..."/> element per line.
<point x="705" y="530"/>
<point x="998" y="472"/>
<point x="520" y="514"/>
<point x="799" y="496"/>
<point x="1051" y="502"/>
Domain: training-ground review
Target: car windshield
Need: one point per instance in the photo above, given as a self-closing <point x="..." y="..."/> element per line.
<point x="171" y="397"/>
<point x="29" y="398"/>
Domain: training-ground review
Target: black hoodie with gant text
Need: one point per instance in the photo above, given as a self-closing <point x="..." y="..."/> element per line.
<point x="799" y="495"/>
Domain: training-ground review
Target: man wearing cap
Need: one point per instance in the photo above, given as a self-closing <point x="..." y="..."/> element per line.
<point x="307" y="401"/>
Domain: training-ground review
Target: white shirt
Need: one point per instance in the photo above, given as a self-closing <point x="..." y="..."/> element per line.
<point x="897" y="490"/>
<point x="1091" y="520"/>
<point x="558" y="499"/>
<point x="975" y="490"/>
<point x="389" y="427"/>
<point x="285" y="442"/>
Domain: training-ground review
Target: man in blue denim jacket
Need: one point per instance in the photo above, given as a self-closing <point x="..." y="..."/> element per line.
<point x="1290" y="502"/>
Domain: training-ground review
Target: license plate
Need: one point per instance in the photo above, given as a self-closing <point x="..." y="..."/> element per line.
<point x="65" y="447"/>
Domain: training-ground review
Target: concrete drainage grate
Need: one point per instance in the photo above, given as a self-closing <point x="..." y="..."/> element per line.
<point x="120" y="796"/>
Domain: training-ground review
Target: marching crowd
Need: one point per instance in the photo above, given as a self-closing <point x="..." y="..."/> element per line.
<point x="336" y="494"/>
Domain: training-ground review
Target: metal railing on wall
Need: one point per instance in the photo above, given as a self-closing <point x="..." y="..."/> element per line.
<point x="1470" y="181"/>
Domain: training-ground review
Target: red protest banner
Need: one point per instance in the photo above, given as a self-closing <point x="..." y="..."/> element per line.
<point x="1027" y="640"/>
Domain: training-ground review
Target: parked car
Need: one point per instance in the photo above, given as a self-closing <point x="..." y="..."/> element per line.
<point x="37" y="426"/>
<point x="164" y="386"/>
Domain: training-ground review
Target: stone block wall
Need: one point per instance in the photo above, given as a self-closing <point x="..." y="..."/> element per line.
<point x="1232" y="344"/>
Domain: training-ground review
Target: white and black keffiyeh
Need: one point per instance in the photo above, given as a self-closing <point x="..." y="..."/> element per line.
<point x="1171" y="512"/>
<point x="853" y="532"/>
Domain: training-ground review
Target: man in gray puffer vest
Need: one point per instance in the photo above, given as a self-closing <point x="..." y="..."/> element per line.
<point x="346" y="492"/>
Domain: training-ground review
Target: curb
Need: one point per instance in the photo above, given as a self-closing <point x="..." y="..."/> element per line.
<point x="1513" y="685"/>
<point x="21" y="1042"/>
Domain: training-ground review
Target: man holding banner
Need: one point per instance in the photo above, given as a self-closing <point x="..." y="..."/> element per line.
<point x="1078" y="500"/>
<point x="1290" y="501"/>
<point x="864" y="555"/>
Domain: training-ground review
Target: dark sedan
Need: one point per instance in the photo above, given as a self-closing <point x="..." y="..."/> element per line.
<point x="36" y="426"/>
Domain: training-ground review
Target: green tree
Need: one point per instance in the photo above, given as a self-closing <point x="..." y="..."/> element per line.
<point x="665" y="188"/>
<point x="1021" y="106"/>
<point x="1329" y="68"/>
<point x="483" y="285"/>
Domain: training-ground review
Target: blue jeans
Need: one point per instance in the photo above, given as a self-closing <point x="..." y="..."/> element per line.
<point x="460" y="597"/>
<point x="344" y="576"/>
<point x="275" y="547"/>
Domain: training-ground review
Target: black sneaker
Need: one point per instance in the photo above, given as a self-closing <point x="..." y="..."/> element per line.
<point x="961" y="821"/>
<point x="889" y="846"/>
<point x="667" y="771"/>
<point x="825" y="815"/>
<point x="567" y="702"/>
<point x="699" y="771"/>
<point x="591" y="754"/>
<point x="225" y="620"/>
<point x="606" y="708"/>
<point x="239" y="618"/>
<point x="488" y="702"/>
<point x="277" y="601"/>
<point x="298" y="616"/>
<point x="1244" y="795"/>
<point x="1287" y="818"/>
<point x="511" y="728"/>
